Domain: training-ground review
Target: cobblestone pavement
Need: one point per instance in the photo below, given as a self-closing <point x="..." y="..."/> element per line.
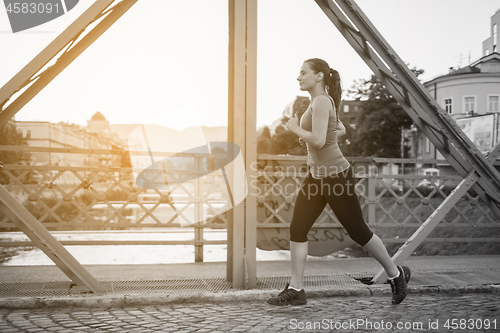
<point x="419" y="313"/>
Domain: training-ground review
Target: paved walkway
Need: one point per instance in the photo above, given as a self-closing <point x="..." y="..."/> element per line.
<point x="419" y="313"/>
<point x="461" y="291"/>
<point x="48" y="286"/>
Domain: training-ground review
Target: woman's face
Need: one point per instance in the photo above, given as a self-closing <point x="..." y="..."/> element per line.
<point x="307" y="78"/>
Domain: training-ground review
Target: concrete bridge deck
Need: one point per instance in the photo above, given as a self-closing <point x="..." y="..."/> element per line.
<point x="128" y="285"/>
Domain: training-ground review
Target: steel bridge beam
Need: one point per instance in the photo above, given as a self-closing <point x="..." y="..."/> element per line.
<point x="406" y="250"/>
<point x="242" y="219"/>
<point x="436" y="124"/>
<point x="68" y="46"/>
<point x="478" y="171"/>
<point x="29" y="82"/>
<point x="28" y="224"/>
<point x="360" y="33"/>
<point x="242" y="109"/>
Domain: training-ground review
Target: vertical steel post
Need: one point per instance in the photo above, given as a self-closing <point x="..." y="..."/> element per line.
<point x="230" y="133"/>
<point x="236" y="117"/>
<point x="241" y="266"/>
<point x="198" y="212"/>
<point x="251" y="144"/>
<point x="372" y="194"/>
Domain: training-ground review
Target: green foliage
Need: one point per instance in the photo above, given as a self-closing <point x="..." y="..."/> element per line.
<point x="286" y="142"/>
<point x="283" y="141"/>
<point x="117" y="195"/>
<point x="68" y="211"/>
<point x="6" y="253"/>
<point x="9" y="136"/>
<point x="125" y="159"/>
<point x="300" y="105"/>
<point x="379" y="122"/>
<point x="264" y="141"/>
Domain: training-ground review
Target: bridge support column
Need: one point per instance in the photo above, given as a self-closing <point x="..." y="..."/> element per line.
<point x="242" y="219"/>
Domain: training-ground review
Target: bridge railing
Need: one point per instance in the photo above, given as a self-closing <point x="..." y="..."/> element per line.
<point x="395" y="195"/>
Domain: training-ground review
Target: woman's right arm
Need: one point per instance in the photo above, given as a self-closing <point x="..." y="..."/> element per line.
<point x="320" y="114"/>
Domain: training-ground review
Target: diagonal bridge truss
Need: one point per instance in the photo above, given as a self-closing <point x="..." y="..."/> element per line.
<point x="477" y="170"/>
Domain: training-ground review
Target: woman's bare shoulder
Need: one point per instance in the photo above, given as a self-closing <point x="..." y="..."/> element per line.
<point x="322" y="103"/>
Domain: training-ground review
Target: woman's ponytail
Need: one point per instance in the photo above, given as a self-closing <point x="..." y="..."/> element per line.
<point x="334" y="88"/>
<point x="331" y="77"/>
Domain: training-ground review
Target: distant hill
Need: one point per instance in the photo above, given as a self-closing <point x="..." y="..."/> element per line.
<point x="162" y="138"/>
<point x="216" y="134"/>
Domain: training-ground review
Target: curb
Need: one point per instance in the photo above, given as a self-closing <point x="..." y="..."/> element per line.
<point x="119" y="301"/>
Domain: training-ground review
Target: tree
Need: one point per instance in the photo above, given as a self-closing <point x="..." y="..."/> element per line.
<point x="283" y="141"/>
<point x="264" y="141"/>
<point x="10" y="136"/>
<point x="379" y="123"/>
<point x="300" y="105"/>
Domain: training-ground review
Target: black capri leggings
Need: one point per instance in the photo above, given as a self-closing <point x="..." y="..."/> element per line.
<point x="338" y="192"/>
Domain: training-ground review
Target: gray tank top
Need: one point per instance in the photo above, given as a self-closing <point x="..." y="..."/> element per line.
<point x="327" y="160"/>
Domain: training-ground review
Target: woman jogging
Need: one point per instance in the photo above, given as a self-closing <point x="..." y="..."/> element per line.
<point x="331" y="181"/>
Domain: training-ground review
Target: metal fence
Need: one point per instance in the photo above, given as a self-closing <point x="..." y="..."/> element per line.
<point x="395" y="196"/>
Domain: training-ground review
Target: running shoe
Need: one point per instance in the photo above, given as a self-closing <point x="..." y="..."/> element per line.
<point x="399" y="284"/>
<point x="289" y="297"/>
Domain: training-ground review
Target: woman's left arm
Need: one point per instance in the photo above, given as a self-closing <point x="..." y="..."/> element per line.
<point x="340" y="129"/>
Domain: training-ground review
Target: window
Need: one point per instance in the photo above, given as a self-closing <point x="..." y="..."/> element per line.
<point x="346" y="108"/>
<point x="493" y="103"/>
<point x="429" y="145"/>
<point x="28" y="134"/>
<point x="448" y="104"/>
<point x="469" y="104"/>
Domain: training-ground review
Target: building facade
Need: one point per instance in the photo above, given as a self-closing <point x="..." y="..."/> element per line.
<point x="64" y="135"/>
<point x="467" y="94"/>
<point x="490" y="45"/>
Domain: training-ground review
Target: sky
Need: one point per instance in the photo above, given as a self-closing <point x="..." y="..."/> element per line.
<point x="163" y="56"/>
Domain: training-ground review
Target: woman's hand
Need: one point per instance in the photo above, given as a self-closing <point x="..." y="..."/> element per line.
<point x="293" y="123"/>
<point x="302" y="142"/>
